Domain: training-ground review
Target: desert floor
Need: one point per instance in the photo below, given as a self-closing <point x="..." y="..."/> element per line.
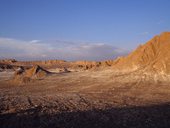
<point x="84" y="99"/>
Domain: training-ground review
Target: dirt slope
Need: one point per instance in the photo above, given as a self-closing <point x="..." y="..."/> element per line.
<point x="154" y="55"/>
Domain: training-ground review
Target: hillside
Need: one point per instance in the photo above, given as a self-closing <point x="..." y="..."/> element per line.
<point x="153" y="56"/>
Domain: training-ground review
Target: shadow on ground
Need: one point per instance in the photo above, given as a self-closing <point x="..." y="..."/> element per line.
<point x="157" y="116"/>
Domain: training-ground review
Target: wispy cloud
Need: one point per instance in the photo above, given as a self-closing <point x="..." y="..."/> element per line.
<point x="35" y="41"/>
<point x="36" y="49"/>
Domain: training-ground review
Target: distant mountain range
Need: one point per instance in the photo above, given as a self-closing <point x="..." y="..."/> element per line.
<point x="154" y="56"/>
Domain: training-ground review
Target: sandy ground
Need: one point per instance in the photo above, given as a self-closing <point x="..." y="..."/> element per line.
<point x="84" y="99"/>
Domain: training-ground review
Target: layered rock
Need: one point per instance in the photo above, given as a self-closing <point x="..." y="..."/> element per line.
<point x="153" y="56"/>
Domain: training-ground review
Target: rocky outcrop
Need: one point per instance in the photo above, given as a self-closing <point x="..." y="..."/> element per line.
<point x="153" y="56"/>
<point x="8" y="61"/>
<point x="26" y="75"/>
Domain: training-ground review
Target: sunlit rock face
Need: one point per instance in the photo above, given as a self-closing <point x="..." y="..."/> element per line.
<point x="26" y="75"/>
<point x="152" y="56"/>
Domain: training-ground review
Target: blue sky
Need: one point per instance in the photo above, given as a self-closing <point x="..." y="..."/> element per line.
<point x="123" y="24"/>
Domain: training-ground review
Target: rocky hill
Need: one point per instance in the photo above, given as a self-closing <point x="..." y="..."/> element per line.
<point x="152" y="56"/>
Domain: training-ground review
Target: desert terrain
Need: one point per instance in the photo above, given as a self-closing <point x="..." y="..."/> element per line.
<point x="128" y="92"/>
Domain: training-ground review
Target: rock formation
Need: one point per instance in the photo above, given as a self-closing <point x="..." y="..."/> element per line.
<point x="152" y="56"/>
<point x="149" y="63"/>
<point x="25" y="75"/>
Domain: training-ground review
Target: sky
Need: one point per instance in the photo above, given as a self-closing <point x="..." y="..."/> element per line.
<point x="78" y="29"/>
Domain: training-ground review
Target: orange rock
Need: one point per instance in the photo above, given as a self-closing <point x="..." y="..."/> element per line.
<point x="155" y="54"/>
<point x="23" y="76"/>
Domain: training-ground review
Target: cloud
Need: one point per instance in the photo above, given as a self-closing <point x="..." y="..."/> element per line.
<point x="35" y="41"/>
<point x="39" y="50"/>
